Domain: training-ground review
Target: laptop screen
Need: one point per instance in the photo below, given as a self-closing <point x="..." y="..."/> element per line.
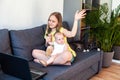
<point x="17" y="67"/>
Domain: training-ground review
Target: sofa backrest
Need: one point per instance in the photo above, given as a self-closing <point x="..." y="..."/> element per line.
<point x="5" y="41"/>
<point x="21" y="42"/>
<point x="24" y="41"/>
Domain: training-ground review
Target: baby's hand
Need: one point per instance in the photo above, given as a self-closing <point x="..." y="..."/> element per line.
<point x="49" y="50"/>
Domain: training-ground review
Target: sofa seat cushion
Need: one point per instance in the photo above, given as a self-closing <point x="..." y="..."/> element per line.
<point x="4" y="41"/>
<point x="24" y="41"/>
<point x="82" y="62"/>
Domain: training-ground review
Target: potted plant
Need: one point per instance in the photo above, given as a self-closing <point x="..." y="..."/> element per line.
<point x="116" y="46"/>
<point x="104" y="30"/>
<point x="116" y="49"/>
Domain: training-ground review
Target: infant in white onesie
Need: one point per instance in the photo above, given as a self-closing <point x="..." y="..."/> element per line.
<point x="58" y="48"/>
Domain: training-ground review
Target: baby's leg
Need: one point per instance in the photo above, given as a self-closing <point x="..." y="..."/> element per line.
<point x="51" y="59"/>
<point x="48" y="62"/>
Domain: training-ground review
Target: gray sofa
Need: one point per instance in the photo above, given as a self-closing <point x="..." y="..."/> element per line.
<point x="21" y="43"/>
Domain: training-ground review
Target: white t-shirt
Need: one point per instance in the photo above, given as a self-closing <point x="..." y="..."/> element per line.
<point x="58" y="48"/>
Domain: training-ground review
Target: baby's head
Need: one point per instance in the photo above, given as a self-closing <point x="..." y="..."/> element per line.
<point x="59" y="38"/>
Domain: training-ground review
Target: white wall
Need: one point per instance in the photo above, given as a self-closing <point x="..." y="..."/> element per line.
<point x="109" y="3"/>
<point x="115" y="3"/>
<point x="22" y="14"/>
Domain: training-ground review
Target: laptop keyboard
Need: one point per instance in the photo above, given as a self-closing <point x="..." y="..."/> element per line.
<point x="34" y="75"/>
<point x="37" y="72"/>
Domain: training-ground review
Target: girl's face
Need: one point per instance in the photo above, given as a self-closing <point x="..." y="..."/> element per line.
<point x="52" y="22"/>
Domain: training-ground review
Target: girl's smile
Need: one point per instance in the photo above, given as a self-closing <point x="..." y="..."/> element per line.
<point x="52" y="22"/>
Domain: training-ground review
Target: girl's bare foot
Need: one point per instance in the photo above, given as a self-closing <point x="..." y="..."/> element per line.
<point x="43" y="63"/>
<point x="36" y="60"/>
<point x="40" y="62"/>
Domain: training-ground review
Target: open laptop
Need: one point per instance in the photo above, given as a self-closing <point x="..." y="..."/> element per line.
<point x="19" y="68"/>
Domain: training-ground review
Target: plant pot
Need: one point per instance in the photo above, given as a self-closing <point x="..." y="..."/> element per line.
<point x="107" y="59"/>
<point x="117" y="52"/>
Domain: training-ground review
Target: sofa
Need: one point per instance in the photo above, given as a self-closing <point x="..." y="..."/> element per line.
<point x="20" y="43"/>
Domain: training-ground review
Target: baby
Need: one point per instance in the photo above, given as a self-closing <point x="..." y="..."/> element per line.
<point x="57" y="47"/>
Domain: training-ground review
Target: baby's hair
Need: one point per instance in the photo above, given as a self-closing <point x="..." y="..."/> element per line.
<point x="58" y="32"/>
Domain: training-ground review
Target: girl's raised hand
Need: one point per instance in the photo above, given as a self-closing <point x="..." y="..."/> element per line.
<point x="80" y="14"/>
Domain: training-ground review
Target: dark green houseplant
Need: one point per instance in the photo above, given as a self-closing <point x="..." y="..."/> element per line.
<point x="116" y="46"/>
<point x="104" y="27"/>
<point x="116" y="49"/>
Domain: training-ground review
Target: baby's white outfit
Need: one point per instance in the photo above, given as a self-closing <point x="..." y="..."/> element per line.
<point x="58" y="48"/>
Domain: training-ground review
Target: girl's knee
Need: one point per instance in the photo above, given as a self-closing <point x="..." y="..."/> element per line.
<point x="68" y="53"/>
<point x="67" y="56"/>
<point x="35" y="52"/>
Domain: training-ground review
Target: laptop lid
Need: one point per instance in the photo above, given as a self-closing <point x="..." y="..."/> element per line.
<point x="16" y="66"/>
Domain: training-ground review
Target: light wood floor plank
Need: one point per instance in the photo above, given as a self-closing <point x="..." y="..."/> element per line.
<point x="110" y="73"/>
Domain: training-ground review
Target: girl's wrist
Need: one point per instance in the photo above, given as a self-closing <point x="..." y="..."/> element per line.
<point x="76" y="19"/>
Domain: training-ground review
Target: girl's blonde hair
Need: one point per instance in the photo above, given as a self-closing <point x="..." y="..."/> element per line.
<point x="58" y="26"/>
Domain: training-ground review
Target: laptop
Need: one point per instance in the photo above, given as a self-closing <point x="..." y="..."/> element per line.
<point x="19" y="68"/>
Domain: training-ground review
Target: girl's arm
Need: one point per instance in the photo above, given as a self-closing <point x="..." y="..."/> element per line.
<point x="78" y="16"/>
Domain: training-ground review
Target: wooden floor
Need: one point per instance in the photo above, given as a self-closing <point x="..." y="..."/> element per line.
<point x="110" y="73"/>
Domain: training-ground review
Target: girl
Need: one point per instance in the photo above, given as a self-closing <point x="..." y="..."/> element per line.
<point x="54" y="25"/>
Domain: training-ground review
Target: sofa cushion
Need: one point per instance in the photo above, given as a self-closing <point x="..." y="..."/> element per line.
<point x="4" y="41"/>
<point x="83" y="63"/>
<point x="24" y="41"/>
